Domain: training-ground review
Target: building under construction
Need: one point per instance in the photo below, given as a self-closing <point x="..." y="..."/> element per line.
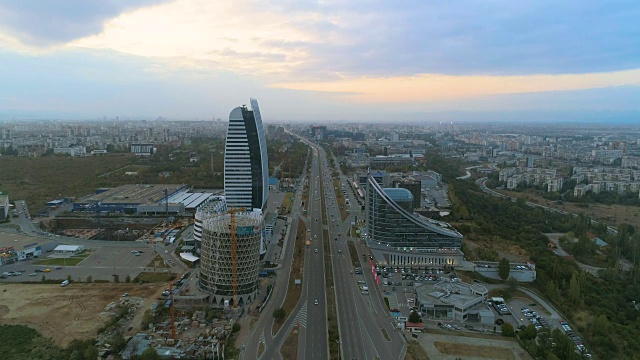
<point x="230" y="255"/>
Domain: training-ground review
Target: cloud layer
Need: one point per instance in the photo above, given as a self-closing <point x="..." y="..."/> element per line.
<point x="45" y="23"/>
<point x="329" y="53"/>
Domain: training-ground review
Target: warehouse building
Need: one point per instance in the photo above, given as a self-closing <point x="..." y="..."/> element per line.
<point x="145" y="199"/>
<point x="15" y="247"/>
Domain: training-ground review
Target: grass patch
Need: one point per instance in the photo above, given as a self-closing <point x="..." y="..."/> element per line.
<point x="386" y="301"/>
<point x="340" y="199"/>
<point x="385" y="334"/>
<point x="159" y="261"/>
<point x="332" y="311"/>
<point x="70" y="261"/>
<point x="260" y="349"/>
<point x="289" y="349"/>
<point x="287" y="203"/>
<point x="37" y="179"/>
<point x="483" y="351"/>
<point x="17" y="341"/>
<point x="353" y="253"/>
<point x="155" y="277"/>
<point x="415" y="351"/>
<point x="297" y="267"/>
<point x="332" y="314"/>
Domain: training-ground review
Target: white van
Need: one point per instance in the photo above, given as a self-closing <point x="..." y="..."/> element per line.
<point x="65" y="283"/>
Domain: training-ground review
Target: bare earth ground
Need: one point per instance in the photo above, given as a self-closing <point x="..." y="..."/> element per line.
<point x="610" y="214"/>
<point x="66" y="313"/>
<point x="467" y="348"/>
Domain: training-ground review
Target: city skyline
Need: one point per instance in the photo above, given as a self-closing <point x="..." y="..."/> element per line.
<point x="321" y="61"/>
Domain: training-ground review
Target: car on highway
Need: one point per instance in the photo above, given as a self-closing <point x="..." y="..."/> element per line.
<point x="58" y="267"/>
<point x="316" y="302"/>
<point x="316" y="250"/>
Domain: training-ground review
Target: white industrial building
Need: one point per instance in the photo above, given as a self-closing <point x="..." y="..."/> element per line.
<point x="68" y="249"/>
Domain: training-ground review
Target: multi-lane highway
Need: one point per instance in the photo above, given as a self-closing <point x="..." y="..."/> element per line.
<point x="361" y="317"/>
<point x="315" y="334"/>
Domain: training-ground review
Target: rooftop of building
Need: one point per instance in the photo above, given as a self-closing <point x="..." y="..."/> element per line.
<point x="450" y="292"/>
<point x="242" y="219"/>
<point x="399" y="194"/>
<point x="134" y="194"/>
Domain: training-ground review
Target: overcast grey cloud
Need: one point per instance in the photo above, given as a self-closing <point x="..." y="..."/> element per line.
<point x="43" y="23"/>
<point x="316" y="42"/>
<point x="388" y="38"/>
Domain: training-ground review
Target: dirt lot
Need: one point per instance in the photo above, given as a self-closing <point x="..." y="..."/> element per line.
<point x="467" y="348"/>
<point x="66" y="313"/>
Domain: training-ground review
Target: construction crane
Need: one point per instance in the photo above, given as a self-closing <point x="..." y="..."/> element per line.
<point x="234" y="256"/>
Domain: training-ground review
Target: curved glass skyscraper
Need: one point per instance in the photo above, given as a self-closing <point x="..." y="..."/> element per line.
<point x="398" y="236"/>
<point x="246" y="166"/>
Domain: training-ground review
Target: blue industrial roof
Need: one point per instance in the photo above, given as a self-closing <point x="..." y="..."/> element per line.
<point x="273" y="181"/>
<point x="600" y="242"/>
<point x="399" y="194"/>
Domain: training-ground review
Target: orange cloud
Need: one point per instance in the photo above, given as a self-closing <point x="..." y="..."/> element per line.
<point x="428" y="87"/>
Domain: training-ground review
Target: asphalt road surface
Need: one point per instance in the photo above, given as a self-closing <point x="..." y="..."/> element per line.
<point x="360" y="324"/>
<point x="261" y="332"/>
<point x="315" y="333"/>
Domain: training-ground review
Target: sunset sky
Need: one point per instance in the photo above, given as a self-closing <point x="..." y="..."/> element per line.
<point x="318" y="60"/>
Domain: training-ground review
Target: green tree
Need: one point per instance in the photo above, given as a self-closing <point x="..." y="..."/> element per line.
<point x="528" y="333"/>
<point x="279" y="314"/>
<point x="414" y="317"/>
<point x="150" y="354"/>
<point x="91" y="352"/>
<point x="504" y="267"/>
<point x="127" y="279"/>
<point x="512" y="283"/>
<point x="507" y="329"/>
<point x="574" y="289"/>
<point x="89" y="278"/>
<point x="236" y="327"/>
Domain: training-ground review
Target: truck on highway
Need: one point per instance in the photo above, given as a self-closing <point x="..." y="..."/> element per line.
<point x="64" y="283"/>
<point x="308" y="243"/>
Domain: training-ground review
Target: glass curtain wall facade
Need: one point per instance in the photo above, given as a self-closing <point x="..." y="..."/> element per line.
<point x="245" y="159"/>
<point x="391" y="225"/>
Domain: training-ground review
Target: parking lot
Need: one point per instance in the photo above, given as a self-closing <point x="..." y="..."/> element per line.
<point x="101" y="264"/>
